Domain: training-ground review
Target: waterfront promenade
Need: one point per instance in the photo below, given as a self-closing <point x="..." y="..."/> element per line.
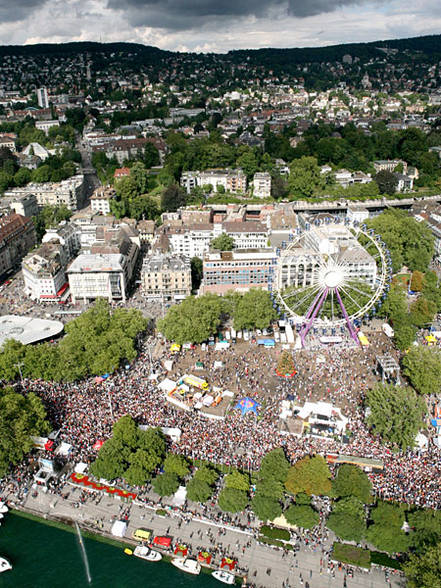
<point x="268" y="567"/>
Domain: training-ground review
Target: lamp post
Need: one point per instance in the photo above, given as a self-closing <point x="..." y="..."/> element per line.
<point x="19" y="366"/>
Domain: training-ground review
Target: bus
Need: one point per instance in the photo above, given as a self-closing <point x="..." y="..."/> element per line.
<point x="195" y="382"/>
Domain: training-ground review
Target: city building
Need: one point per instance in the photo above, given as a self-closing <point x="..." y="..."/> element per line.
<point x="67" y="193"/>
<point x="146" y="230"/>
<point x="238" y="270"/>
<point x="42" y="98"/>
<point x="101" y="198"/>
<point x="44" y="273"/>
<point x="24" y="205"/>
<point x="17" y="237"/>
<point x="231" y="180"/>
<point x="45" y="125"/>
<point x="167" y="277"/>
<point x="262" y="185"/>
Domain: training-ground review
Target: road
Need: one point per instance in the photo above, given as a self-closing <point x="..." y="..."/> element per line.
<point x="268" y="567"/>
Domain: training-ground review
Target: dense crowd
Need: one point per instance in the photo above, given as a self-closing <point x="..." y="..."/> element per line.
<point x="85" y="411"/>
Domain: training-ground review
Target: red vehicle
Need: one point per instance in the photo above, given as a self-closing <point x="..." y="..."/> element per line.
<point x="162" y="541"/>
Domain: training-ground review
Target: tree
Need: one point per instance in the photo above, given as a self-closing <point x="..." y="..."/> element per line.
<point x="285" y="365"/>
<point x="196" y="272"/>
<point x="386" y="534"/>
<point x="305" y="178"/>
<point x="432" y="289"/>
<point x="396" y="414"/>
<point x="20" y="418"/>
<point x="223" y="242"/>
<point x="22" y="176"/>
<point x="387" y="182"/>
<point x="310" y="475"/>
<point x="302" y="516"/>
<point x="352" y="481"/>
<point x="112" y="460"/>
<point x="206" y="474"/>
<point x="404" y="335"/>
<point x="416" y="282"/>
<point x="395" y="305"/>
<point x="232" y="500"/>
<point x="274" y="465"/>
<point x="279" y="187"/>
<point x="176" y="464"/>
<point x="198" y="490"/>
<point x="238" y="481"/>
<point x="424" y="571"/>
<point x="422" y="365"/>
<point x="194" y="320"/>
<point x="254" y="310"/>
<point x="422" y="311"/>
<point x="172" y="198"/>
<point x="426" y="526"/>
<point x="12" y="354"/>
<point x="410" y="243"/>
<point x="266" y="508"/>
<point x="165" y="484"/>
<point x="348" y="519"/>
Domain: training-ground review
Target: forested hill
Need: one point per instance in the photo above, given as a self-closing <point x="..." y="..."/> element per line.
<point x="428" y="46"/>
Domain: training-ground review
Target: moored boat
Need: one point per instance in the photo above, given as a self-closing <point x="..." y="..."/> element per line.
<point x="191" y="566"/>
<point x="224" y="577"/>
<point x="4" y="565"/>
<point x="146" y="553"/>
<point x="3" y="508"/>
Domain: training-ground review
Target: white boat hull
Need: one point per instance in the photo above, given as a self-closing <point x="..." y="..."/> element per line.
<point x="224" y="577"/>
<point x="147" y="554"/>
<point x="188" y="566"/>
<point x="4" y="565"/>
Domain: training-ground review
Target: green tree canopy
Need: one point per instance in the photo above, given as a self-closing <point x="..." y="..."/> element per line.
<point x="422" y="365"/>
<point x="426" y="525"/>
<point x="265" y="507"/>
<point x="396" y="414"/>
<point x="274" y="465"/>
<point x="310" y="475"/>
<point x="254" y="310"/>
<point x="387" y="182"/>
<point x="410" y="243"/>
<point x="198" y="490"/>
<point x="176" y="464"/>
<point x="302" y="516"/>
<point x="206" y="474"/>
<point x="194" y="320"/>
<point x="386" y="534"/>
<point x="352" y="481"/>
<point x="172" y="198"/>
<point x="223" y="242"/>
<point x="20" y="418"/>
<point x="165" y="484"/>
<point x="424" y="571"/>
<point x="305" y="178"/>
<point x="232" y="500"/>
<point x="238" y="481"/>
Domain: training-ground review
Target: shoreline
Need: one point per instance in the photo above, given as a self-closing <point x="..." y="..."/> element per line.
<point x="66" y="524"/>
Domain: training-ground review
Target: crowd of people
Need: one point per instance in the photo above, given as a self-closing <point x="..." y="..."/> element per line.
<point x="85" y="411"/>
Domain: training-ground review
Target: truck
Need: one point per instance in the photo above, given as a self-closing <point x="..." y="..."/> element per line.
<point x="387" y="330"/>
<point x="195" y="381"/>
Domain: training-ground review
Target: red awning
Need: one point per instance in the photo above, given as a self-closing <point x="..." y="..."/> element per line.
<point x="49" y="445"/>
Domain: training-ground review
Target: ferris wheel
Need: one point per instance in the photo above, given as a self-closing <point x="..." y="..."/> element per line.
<point x="331" y="273"/>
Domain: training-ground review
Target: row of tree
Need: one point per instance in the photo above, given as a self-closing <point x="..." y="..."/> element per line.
<point x="96" y="342"/>
<point x="196" y="319"/>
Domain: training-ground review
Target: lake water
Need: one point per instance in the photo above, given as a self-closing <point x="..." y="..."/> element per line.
<point x="46" y="557"/>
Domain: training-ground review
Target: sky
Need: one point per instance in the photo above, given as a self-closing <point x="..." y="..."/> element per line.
<point x="216" y="25"/>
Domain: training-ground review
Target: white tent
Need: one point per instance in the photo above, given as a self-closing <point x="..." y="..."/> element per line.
<point x="119" y="529"/>
<point x="80" y="468"/>
<point x="167" y="385"/>
<point x="179" y="496"/>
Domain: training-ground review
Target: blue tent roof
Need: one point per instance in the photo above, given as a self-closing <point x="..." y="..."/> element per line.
<point x="246" y="405"/>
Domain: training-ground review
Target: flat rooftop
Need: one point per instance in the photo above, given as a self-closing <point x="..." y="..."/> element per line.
<point x="27" y="329"/>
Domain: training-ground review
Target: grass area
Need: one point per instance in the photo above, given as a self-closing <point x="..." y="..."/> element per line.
<point x="274" y="533"/>
<point x="382" y="559"/>
<point x="402" y="279"/>
<point x="351" y="554"/>
<point x="274" y="542"/>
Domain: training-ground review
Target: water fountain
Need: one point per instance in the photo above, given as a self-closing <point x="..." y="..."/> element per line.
<point x="83" y="553"/>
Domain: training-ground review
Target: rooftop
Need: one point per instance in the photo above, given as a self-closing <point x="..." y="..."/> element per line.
<point x="27" y="329"/>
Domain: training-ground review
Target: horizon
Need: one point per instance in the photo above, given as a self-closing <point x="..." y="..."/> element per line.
<point x="216" y="27"/>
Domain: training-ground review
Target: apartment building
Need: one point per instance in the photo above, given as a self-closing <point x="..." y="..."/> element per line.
<point x="17" y="237"/>
<point x="231" y="180"/>
<point x="67" y="193"/>
<point x="101" y="198"/>
<point x="238" y="270"/>
<point x="44" y="273"/>
<point x="45" y="125"/>
<point x="42" y="98"/>
<point x="262" y="185"/>
<point x="167" y="277"/>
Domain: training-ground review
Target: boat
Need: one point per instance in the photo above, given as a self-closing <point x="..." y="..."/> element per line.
<point x="146" y="553"/>
<point x="191" y="566"/>
<point x="3" y="508"/>
<point x="4" y="565"/>
<point x="224" y="577"/>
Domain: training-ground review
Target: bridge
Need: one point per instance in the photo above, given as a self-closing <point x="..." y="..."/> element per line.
<point x="340" y="205"/>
